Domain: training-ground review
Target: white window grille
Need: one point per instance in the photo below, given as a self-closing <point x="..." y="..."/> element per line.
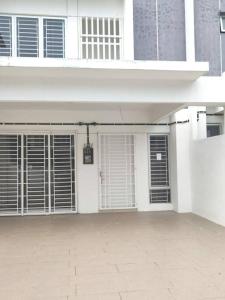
<point x="37" y="174"/>
<point x="54" y="38"/>
<point x="159" y="169"/>
<point x="5" y="36"/>
<point x="27" y="37"/>
<point x="10" y="175"/>
<point x="101" y="38"/>
<point x="62" y="173"/>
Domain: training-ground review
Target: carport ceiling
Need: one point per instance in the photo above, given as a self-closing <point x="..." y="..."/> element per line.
<point x="151" y="112"/>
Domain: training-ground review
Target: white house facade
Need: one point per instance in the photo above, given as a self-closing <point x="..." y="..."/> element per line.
<point x="112" y="106"/>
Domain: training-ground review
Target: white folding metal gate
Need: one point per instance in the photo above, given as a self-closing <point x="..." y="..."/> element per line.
<point x="37" y="174"/>
<point x="117" y="171"/>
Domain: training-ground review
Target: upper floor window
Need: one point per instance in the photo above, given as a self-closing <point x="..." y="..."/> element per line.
<point x="54" y="42"/>
<point x="101" y="38"/>
<point x="27" y="37"/>
<point x="32" y="37"/>
<point x="222" y="23"/>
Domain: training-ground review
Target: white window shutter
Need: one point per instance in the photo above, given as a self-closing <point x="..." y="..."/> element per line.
<point x="5" y="36"/>
<point x="54" y="38"/>
<point x="27" y="37"/>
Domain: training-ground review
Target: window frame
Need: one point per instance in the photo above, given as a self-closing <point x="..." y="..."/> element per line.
<point x="40" y="34"/>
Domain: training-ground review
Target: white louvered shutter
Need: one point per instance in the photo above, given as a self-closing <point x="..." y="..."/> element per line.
<point x="54" y="37"/>
<point x="117" y="172"/>
<point x="27" y="37"/>
<point x="5" y="36"/>
<point x="159" y="169"/>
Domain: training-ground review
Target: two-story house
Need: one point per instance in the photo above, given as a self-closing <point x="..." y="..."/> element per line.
<point x="104" y="105"/>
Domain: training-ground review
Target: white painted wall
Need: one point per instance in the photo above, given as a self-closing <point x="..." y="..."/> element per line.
<point x="64" y="7"/>
<point x="182" y="138"/>
<point x="101" y="8"/>
<point x="88" y="175"/>
<point x="208" y="177"/>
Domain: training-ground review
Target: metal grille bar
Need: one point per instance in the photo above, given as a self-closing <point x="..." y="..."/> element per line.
<point x="5" y="36"/>
<point x="159" y="169"/>
<point x="10" y="175"/>
<point x="117" y="172"/>
<point x="101" y="38"/>
<point x="62" y="173"/>
<point x="27" y="37"/>
<point x="36" y="174"/>
<point x="54" y="33"/>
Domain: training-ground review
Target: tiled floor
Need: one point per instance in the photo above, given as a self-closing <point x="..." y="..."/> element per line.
<point x="121" y="256"/>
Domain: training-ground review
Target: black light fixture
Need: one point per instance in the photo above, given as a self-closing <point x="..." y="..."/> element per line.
<point x="88" y="151"/>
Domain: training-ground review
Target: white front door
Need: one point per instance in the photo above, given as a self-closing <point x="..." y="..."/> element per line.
<point x="117" y="171"/>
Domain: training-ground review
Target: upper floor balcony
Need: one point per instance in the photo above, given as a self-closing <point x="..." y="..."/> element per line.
<point x="87" y="34"/>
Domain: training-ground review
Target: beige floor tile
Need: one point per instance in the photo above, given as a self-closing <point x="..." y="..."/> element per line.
<point x="88" y="269"/>
<point x="161" y="294"/>
<point x="107" y="296"/>
<point x="116" y="256"/>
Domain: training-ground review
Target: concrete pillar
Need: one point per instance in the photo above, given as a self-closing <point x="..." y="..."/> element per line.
<point x="128" y="23"/>
<point x="180" y="157"/>
<point x="142" y="172"/>
<point x="190" y="30"/>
